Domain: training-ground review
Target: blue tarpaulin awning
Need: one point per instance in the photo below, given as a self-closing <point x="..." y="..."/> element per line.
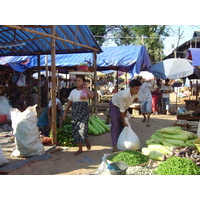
<point x="194" y="55"/>
<point x="24" y="40"/>
<point x="133" y="59"/>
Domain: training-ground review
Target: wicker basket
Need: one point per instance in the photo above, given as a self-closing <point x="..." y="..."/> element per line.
<point x="110" y="162"/>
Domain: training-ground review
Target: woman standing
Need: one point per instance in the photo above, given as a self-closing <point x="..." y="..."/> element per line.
<point x="78" y="99"/>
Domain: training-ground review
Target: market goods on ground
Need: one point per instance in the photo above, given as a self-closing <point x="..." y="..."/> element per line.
<point x="97" y="126"/>
<point x="177" y="166"/>
<point x="161" y="143"/>
<point x="129" y="157"/>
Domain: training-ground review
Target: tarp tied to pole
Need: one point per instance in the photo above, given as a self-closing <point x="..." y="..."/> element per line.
<point x="132" y="59"/>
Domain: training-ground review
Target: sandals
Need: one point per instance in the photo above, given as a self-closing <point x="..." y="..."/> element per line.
<point x="88" y="145"/>
<point x="143" y="120"/>
<point x="148" y="125"/>
<point x="77" y="153"/>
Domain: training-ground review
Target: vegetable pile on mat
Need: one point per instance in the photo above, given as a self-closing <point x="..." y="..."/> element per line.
<point x="177" y="166"/>
<point x="163" y="142"/>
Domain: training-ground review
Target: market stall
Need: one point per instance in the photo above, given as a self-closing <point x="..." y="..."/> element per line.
<point x="37" y="40"/>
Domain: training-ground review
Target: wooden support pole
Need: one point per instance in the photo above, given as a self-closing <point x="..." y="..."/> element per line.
<point x="39" y="84"/>
<point x="53" y="93"/>
<point x="47" y="78"/>
<point x="116" y="84"/>
<point x="95" y="81"/>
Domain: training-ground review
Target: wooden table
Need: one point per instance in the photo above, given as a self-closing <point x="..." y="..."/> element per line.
<point x="191" y="103"/>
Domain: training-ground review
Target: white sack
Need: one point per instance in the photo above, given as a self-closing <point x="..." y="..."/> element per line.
<point x="3" y="159"/>
<point x="5" y="107"/>
<point x="128" y="140"/>
<point x="26" y="133"/>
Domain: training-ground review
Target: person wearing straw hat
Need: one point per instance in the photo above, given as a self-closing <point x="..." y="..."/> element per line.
<point x="78" y="100"/>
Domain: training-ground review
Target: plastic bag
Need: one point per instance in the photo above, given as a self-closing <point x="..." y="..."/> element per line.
<point x="83" y="95"/>
<point x="103" y="166"/>
<point x="128" y="140"/>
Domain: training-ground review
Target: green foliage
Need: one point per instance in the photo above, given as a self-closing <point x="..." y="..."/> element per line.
<point x="64" y="134"/>
<point x="178" y="166"/>
<point x="99" y="30"/>
<point x="129" y="157"/>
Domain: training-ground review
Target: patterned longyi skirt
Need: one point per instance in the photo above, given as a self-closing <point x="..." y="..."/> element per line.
<point x="80" y="117"/>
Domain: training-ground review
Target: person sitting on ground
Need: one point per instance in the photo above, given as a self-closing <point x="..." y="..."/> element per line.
<point x="44" y="121"/>
<point x="19" y="102"/>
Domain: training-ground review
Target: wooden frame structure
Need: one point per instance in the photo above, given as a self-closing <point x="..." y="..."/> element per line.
<point x="13" y="39"/>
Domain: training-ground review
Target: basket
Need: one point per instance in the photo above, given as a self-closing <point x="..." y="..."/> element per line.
<point x="118" y="168"/>
<point x="197" y="143"/>
<point x="110" y="155"/>
<point x="3" y="118"/>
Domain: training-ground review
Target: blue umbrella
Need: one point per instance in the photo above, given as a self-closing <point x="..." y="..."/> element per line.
<point x="172" y="68"/>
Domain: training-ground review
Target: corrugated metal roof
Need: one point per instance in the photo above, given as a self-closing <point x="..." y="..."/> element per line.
<point x="36" y="40"/>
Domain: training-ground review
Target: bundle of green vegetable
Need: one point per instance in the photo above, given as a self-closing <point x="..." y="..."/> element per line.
<point x="64" y="134"/>
<point x="96" y="126"/>
<point x="129" y="157"/>
<point x="177" y="166"/>
<point x="165" y="140"/>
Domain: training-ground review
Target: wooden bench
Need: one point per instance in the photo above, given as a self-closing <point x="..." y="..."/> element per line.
<point x="182" y="123"/>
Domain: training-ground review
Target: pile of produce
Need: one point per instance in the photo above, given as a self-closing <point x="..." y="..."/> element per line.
<point x="177" y="166"/>
<point x="138" y="170"/>
<point x="64" y="134"/>
<point x="187" y="152"/>
<point x="161" y="143"/>
<point x="129" y="157"/>
<point x="97" y="126"/>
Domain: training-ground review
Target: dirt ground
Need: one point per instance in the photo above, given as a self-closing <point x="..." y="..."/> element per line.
<point x="64" y="162"/>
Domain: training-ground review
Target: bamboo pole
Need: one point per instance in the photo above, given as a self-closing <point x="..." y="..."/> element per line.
<point x="49" y="35"/>
<point x="53" y="93"/>
<point x="95" y="81"/>
<point x="47" y="79"/>
<point x="39" y="84"/>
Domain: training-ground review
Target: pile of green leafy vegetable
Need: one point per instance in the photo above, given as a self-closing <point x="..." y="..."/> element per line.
<point x="64" y="134"/>
<point x="177" y="166"/>
<point x="129" y="157"/>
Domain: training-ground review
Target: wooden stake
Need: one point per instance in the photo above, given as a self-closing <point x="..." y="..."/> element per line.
<point x="53" y="95"/>
<point x="39" y="84"/>
<point x="95" y="81"/>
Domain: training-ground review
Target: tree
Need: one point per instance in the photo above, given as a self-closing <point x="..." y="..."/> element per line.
<point x="148" y="35"/>
<point x="99" y="30"/>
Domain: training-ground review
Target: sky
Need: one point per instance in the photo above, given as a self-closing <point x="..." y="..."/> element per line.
<point x="187" y="31"/>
